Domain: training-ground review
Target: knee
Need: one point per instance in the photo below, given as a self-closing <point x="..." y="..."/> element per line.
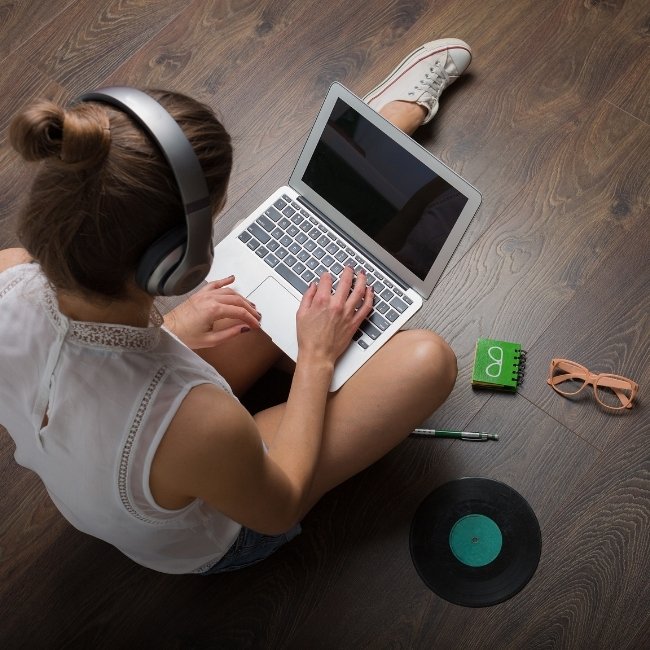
<point x="433" y="359"/>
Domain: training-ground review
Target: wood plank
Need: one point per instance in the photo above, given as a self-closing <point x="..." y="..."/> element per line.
<point x="591" y="586"/>
<point x="211" y="56"/>
<point x="534" y="72"/>
<point x="221" y="55"/>
<point x="533" y="456"/>
<point x="605" y="327"/>
<point x="90" y="39"/>
<point x="631" y="92"/>
<point x="21" y="19"/>
<point x="521" y="273"/>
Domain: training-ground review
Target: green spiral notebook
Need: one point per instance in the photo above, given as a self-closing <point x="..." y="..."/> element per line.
<point x="498" y="365"/>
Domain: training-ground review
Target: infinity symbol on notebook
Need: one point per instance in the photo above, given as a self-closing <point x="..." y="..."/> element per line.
<point x="498" y="362"/>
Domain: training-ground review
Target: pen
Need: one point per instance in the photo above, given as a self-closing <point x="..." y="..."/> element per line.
<point x="457" y="435"/>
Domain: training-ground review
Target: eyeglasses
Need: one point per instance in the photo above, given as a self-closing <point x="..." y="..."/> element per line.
<point x="611" y="391"/>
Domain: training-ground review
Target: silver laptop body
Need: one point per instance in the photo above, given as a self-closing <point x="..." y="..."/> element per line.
<point x="363" y="194"/>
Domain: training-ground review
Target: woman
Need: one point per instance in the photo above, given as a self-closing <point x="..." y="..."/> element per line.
<point x="133" y="425"/>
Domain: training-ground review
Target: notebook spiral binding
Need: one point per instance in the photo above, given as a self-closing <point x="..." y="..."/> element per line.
<point x="521" y="367"/>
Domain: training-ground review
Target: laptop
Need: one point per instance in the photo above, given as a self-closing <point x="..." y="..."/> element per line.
<point x="364" y="194"/>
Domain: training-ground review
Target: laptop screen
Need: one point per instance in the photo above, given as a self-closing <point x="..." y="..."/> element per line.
<point x="393" y="197"/>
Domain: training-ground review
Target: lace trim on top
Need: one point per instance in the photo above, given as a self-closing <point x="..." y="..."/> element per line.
<point x="128" y="445"/>
<point x="6" y="289"/>
<point x="105" y="334"/>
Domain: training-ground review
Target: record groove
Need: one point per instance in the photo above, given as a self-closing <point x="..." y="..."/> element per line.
<point x="475" y="542"/>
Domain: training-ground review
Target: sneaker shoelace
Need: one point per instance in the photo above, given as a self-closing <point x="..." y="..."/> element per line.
<point x="434" y="81"/>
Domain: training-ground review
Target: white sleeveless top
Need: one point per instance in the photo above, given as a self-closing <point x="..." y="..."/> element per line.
<point x="109" y="392"/>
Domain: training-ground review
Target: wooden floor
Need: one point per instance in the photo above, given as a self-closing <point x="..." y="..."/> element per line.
<point x="551" y="123"/>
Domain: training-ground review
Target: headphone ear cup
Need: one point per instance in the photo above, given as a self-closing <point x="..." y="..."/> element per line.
<point x="160" y="260"/>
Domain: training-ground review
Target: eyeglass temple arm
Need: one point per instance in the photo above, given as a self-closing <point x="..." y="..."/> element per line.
<point x="619" y="389"/>
<point x="625" y="400"/>
<point x="558" y="379"/>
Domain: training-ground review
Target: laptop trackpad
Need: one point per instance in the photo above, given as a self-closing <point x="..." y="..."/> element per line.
<point x="278" y="308"/>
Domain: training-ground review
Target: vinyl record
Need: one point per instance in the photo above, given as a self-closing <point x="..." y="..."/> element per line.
<point x="475" y="542"/>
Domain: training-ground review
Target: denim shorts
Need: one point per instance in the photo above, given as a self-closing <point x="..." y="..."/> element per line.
<point x="250" y="548"/>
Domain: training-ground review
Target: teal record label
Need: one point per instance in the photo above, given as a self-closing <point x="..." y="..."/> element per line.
<point x="475" y="540"/>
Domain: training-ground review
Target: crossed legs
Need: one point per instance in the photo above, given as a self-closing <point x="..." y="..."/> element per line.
<point x="377" y="408"/>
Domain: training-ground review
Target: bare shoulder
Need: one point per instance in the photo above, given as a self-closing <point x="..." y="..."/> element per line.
<point x="213" y="451"/>
<point x="12" y="257"/>
<point x="209" y="427"/>
<point x="209" y="412"/>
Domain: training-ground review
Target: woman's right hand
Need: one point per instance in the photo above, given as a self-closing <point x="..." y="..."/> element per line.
<point x="326" y="321"/>
<point x="212" y="315"/>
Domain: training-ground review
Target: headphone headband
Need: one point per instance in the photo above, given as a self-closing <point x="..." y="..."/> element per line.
<point x="170" y="266"/>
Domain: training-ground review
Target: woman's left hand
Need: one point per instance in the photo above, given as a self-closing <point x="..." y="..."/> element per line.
<point x="212" y="315"/>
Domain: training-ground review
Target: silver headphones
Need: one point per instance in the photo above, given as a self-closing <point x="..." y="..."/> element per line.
<point x="180" y="259"/>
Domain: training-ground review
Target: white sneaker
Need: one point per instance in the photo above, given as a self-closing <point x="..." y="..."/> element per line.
<point x="423" y="75"/>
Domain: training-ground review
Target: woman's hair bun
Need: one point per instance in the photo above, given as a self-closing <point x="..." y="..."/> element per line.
<point x="79" y="136"/>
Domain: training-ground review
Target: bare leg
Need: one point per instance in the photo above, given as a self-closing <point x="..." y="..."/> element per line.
<point x="406" y="116"/>
<point x="244" y="359"/>
<point x="398" y="388"/>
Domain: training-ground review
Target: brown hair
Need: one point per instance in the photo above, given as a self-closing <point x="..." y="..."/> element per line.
<point x="104" y="192"/>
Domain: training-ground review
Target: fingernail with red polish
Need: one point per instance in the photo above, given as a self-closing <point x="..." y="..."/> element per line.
<point x="245" y="329"/>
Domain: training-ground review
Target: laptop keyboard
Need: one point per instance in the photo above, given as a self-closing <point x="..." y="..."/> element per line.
<point x="300" y="249"/>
